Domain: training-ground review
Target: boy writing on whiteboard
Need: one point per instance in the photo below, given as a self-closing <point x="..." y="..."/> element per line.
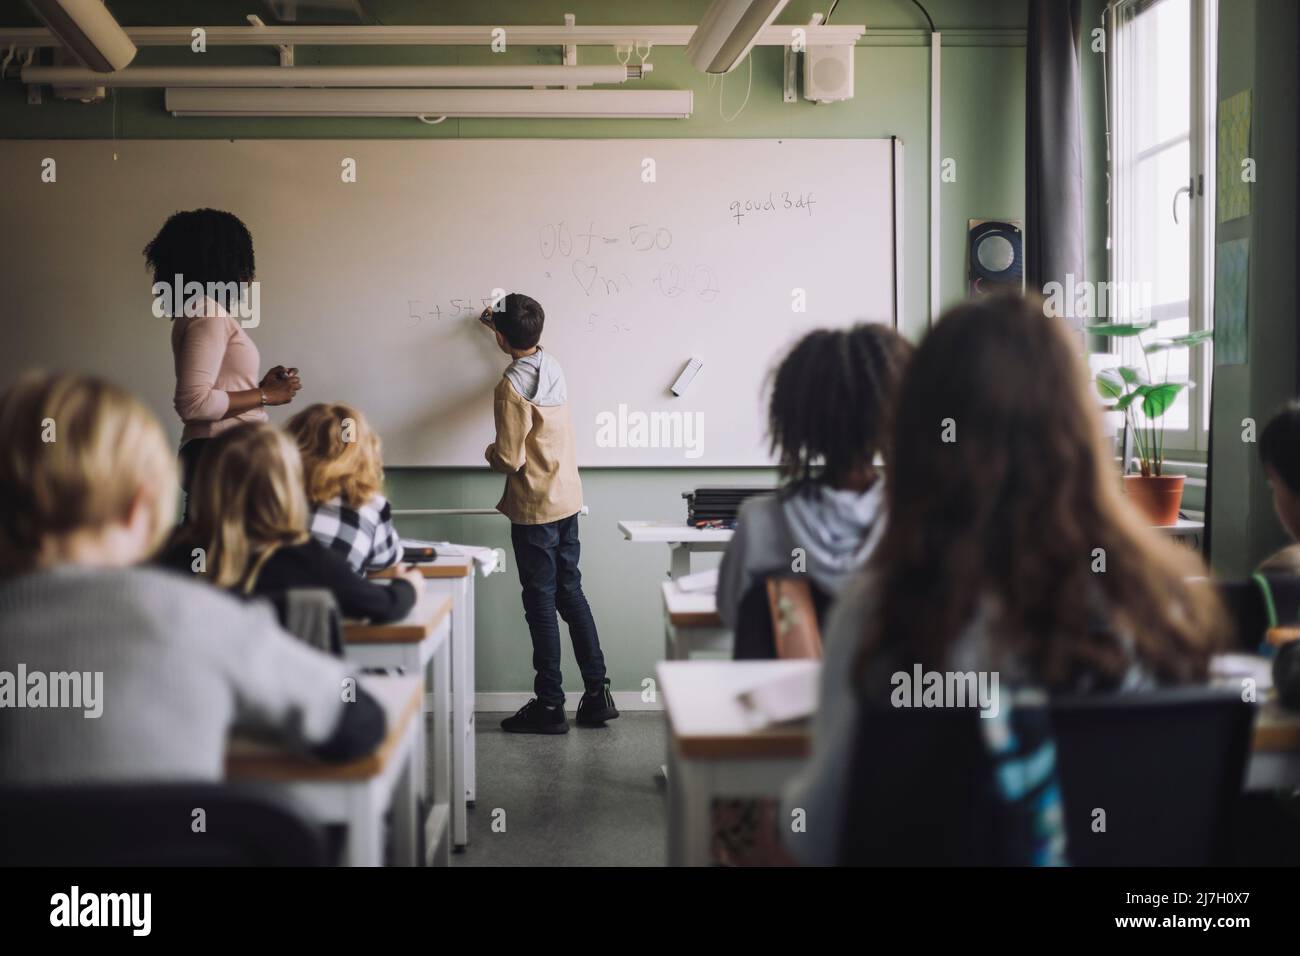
<point x="534" y="449"/>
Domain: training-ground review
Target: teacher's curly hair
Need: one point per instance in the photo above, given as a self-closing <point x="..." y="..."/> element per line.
<point x="201" y="245"/>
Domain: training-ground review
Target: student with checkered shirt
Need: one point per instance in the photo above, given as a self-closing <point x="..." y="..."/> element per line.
<point x="344" y="472"/>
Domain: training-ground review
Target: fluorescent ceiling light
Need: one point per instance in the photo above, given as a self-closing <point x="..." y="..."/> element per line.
<point x="88" y="31"/>
<point x="520" y="35"/>
<point x="555" y="104"/>
<point x="337" y="76"/>
<point x="728" y="32"/>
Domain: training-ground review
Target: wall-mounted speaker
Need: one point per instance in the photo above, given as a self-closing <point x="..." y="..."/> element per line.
<point x="995" y="251"/>
<point x="828" y="73"/>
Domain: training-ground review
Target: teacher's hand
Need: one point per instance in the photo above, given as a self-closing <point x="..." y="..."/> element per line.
<point x="280" y="384"/>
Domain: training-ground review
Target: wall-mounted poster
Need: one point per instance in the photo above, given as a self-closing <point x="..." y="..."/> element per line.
<point x="1231" y="296"/>
<point x="1234" y="174"/>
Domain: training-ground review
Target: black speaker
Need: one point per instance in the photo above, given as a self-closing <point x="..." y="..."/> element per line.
<point x="995" y="256"/>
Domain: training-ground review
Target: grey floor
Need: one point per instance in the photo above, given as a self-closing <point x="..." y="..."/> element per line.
<point x="587" y="798"/>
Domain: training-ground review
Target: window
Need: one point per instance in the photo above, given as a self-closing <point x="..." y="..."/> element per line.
<point x="1162" y="193"/>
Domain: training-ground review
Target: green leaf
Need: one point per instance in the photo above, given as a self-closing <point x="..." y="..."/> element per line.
<point x="1133" y="375"/>
<point x="1131" y="397"/>
<point x="1159" y="397"/>
<point x="1110" y="384"/>
<point x="1191" y="340"/>
<point x="1118" y="329"/>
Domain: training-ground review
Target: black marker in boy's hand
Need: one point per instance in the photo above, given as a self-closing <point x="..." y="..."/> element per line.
<point x="486" y="317"/>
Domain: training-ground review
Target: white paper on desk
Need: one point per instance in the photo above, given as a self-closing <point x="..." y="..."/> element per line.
<point x="783" y="699"/>
<point x="701" y="582"/>
<point x="485" y="559"/>
<point x="1233" y="667"/>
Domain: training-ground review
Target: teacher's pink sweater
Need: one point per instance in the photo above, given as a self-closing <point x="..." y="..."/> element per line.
<point x="214" y="355"/>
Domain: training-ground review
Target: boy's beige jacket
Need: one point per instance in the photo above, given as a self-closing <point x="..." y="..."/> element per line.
<point x="535" y="451"/>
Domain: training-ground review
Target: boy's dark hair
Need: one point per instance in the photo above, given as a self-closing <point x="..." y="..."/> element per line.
<point x="520" y="320"/>
<point x="829" y="400"/>
<point x="201" y="245"/>
<point x="1279" y="445"/>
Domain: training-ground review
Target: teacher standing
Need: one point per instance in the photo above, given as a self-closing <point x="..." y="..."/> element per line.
<point x="217" y="384"/>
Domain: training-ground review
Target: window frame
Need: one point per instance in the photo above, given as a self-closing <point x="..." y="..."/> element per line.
<point x="1203" y="30"/>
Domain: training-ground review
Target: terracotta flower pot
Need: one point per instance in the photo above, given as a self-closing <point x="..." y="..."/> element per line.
<point x="1159" y="498"/>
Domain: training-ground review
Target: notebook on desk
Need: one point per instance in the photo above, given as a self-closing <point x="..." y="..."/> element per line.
<point x="485" y="559"/>
<point x="782" y="700"/>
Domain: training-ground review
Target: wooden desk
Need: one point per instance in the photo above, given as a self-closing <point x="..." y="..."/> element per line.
<point x="713" y="751"/>
<point x="357" y="793"/>
<point x="682" y="541"/>
<point x="421" y="645"/>
<point x="691" y="623"/>
<point x="454" y="577"/>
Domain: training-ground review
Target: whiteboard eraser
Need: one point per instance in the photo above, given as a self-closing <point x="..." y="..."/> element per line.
<point x="688" y="375"/>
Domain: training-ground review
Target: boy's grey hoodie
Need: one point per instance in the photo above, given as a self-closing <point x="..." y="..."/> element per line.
<point x="539" y="378"/>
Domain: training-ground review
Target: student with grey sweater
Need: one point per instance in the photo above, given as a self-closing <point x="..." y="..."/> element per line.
<point x="825" y="419"/>
<point x="114" y="673"/>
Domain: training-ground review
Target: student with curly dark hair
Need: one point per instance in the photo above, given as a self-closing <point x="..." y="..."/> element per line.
<point x="826" y="422"/>
<point x="202" y="264"/>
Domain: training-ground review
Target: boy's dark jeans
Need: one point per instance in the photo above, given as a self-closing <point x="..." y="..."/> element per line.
<point x="547" y="558"/>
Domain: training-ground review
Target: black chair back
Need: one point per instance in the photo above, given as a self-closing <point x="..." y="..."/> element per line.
<point x="1165" y="768"/>
<point x="153" y="825"/>
<point x="921" y="792"/>
<point x="755" y="637"/>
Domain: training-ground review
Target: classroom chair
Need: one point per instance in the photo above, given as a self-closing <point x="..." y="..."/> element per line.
<point x="1166" y="767"/>
<point x="153" y="825"/>
<point x="920" y="793"/>
<point x="781" y="617"/>
<point x="312" y="616"/>
<point x="1259" y="603"/>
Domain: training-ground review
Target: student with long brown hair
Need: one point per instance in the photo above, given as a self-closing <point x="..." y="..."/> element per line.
<point x="1008" y="548"/>
<point x="247" y="529"/>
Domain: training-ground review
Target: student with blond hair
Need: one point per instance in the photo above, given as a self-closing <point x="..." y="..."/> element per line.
<point x="344" y="474"/>
<point x="162" y="668"/>
<point x="247" y="530"/>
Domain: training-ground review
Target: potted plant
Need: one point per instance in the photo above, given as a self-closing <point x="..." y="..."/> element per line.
<point x="1157" y="495"/>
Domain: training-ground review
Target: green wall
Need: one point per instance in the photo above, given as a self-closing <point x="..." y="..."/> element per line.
<point x="1258" y="40"/>
<point x="982" y="129"/>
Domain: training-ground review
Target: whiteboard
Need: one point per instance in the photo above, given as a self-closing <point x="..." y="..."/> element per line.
<point x="643" y="253"/>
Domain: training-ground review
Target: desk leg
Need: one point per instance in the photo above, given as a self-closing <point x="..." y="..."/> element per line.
<point x="471" y="729"/>
<point x="411" y="663"/>
<point x="679" y="563"/>
<point x="437" y="833"/>
<point x="406" y="837"/>
<point x="365" y="842"/>
<point x="462" y="703"/>
<point x="690" y="811"/>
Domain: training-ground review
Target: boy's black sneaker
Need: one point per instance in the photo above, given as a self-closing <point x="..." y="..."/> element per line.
<point x="596" y="706"/>
<point x="536" y="718"/>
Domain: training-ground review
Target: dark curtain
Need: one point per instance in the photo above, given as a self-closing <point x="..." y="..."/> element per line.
<point x="1054" y="224"/>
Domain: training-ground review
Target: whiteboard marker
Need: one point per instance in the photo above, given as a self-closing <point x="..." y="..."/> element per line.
<point x="688" y="375"/>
